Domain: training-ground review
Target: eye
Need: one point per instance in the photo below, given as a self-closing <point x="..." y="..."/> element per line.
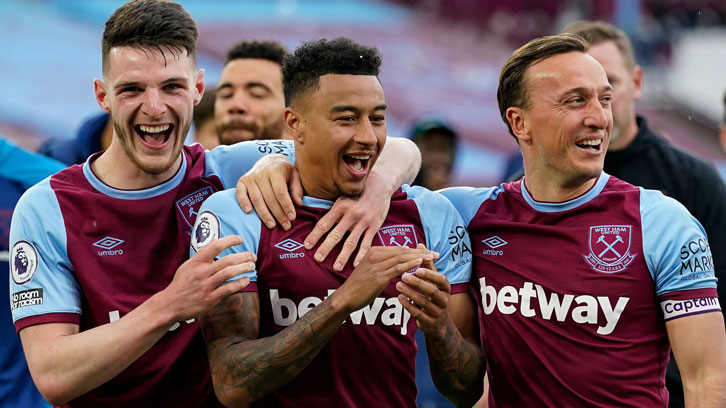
<point x="348" y="118"/>
<point x="378" y="119"/>
<point x="575" y="100"/>
<point x="606" y="100"/>
<point x="172" y="87"/>
<point x="130" y="89"/>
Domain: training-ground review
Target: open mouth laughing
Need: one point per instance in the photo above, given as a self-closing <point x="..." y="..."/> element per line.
<point x="154" y="137"/>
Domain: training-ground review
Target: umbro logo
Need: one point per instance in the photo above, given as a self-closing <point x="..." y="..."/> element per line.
<point x="493" y="243"/>
<point x="108" y="244"/>
<point x="290" y="245"/>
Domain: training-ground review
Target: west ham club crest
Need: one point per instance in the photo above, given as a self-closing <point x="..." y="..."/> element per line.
<point x="398" y="235"/>
<point x="189" y="206"/>
<point x="609" y="248"/>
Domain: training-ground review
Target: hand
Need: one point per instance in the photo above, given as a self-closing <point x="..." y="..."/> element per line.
<point x="266" y="188"/>
<point x="380" y="265"/>
<point x="199" y="283"/>
<point x="362" y="216"/>
<point x="425" y="295"/>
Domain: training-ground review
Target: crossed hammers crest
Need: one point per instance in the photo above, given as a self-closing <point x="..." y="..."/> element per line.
<point x="609" y="246"/>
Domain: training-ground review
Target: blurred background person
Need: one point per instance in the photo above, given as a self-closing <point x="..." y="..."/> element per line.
<point x="19" y="169"/>
<point x="249" y="102"/>
<point x="93" y="136"/>
<point x="437" y="142"/>
<point x="205" y="131"/>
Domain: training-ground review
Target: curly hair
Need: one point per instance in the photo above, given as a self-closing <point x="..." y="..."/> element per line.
<point x="150" y="24"/>
<point x="301" y="70"/>
<point x="257" y="49"/>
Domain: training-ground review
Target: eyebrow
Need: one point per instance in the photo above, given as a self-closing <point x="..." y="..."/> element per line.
<point x="344" y="108"/>
<point x="247" y="85"/>
<point x="137" y="83"/>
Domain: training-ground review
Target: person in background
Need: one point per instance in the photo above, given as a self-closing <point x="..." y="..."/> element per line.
<point x="437" y="141"/>
<point x="205" y="132"/>
<point x="250" y="103"/>
<point x="19" y="169"/>
<point x="93" y="136"/>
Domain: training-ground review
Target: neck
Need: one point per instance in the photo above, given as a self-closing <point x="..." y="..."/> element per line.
<point x="115" y="169"/>
<point x="313" y="188"/>
<point x="627" y="135"/>
<point x="550" y="189"/>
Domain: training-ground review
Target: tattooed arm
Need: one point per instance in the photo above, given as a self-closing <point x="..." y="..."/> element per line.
<point x="449" y="323"/>
<point x="245" y="368"/>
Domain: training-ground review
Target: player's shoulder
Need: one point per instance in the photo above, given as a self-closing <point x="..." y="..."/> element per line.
<point x="423" y="196"/>
<point x="656" y="204"/>
<point x="37" y="196"/>
<point x="222" y="201"/>
<point x="478" y="194"/>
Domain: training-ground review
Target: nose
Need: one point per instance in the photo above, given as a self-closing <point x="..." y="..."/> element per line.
<point x="154" y="105"/>
<point x="238" y="104"/>
<point x="598" y="116"/>
<point x="366" y="134"/>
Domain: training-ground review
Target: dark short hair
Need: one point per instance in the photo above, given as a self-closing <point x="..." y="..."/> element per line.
<point x="150" y="24"/>
<point x="512" y="90"/>
<point x="205" y="110"/>
<point x="301" y="70"/>
<point x="257" y="49"/>
<point x="596" y="32"/>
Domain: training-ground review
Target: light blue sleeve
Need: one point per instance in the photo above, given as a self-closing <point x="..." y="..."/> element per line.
<point x="41" y="276"/>
<point x="445" y="233"/>
<point x="467" y="200"/>
<point x="25" y="167"/>
<point x="229" y="163"/>
<point x="674" y="244"/>
<point x="220" y="216"/>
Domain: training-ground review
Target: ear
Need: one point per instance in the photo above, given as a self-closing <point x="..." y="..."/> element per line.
<point x="99" y="88"/>
<point x="637" y="82"/>
<point x="199" y="87"/>
<point x="294" y="124"/>
<point x="517" y="120"/>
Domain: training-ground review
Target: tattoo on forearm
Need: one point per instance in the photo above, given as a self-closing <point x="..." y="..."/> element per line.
<point x="457" y="368"/>
<point x="239" y="361"/>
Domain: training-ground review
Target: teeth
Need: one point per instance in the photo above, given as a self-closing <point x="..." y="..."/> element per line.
<point x="360" y="157"/>
<point x="594" y="142"/>
<point x="154" y="129"/>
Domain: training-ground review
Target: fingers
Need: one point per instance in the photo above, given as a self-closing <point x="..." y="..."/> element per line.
<point x="296" y="189"/>
<point x="222" y="270"/>
<point x="323" y="225"/>
<point x="365" y="245"/>
<point x="209" y="252"/>
<point x="230" y="288"/>
<point x="271" y="205"/>
<point x="242" y="197"/>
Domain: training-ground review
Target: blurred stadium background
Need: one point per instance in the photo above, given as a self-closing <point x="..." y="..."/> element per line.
<point x="440" y="56"/>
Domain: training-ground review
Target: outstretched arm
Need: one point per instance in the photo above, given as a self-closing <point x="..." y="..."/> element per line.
<point x="449" y="325"/>
<point x="699" y="346"/>
<point x="66" y="363"/>
<point x="245" y="368"/>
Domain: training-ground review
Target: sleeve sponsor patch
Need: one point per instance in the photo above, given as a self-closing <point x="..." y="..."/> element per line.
<point x="205" y="230"/>
<point x="23" y="262"/>
<point x="673" y="309"/>
<point x="31" y="297"/>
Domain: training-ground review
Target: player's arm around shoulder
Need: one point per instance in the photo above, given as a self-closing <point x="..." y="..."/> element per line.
<point x="438" y="296"/>
<point x="679" y="257"/>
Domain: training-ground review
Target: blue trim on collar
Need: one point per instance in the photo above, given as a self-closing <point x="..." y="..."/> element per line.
<point x="566" y="205"/>
<point x="316" y="202"/>
<point x="162" y="188"/>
